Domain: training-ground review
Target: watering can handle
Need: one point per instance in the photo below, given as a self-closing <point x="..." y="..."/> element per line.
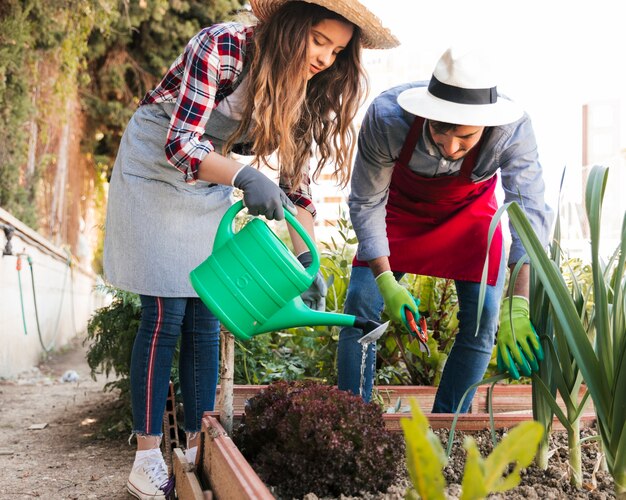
<point x="225" y="232"/>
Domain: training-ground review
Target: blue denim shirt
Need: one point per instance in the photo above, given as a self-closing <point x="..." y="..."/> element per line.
<point x="511" y="148"/>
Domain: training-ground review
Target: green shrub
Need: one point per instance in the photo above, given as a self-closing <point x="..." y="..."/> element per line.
<point x="111" y="333"/>
<point x="304" y="437"/>
<point x="400" y="360"/>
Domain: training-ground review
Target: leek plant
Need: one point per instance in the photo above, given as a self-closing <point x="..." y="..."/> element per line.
<point x="601" y="357"/>
<point x="558" y="370"/>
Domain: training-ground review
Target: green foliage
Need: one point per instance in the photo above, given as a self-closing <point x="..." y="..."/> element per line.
<point x="111" y="51"/>
<point x="493" y="474"/>
<point x="15" y="109"/>
<point x="426" y="459"/>
<point x="129" y="59"/>
<point x="559" y="371"/>
<point x="291" y="355"/>
<point x="111" y="333"/>
<point x="34" y="33"/>
<point x="401" y="361"/>
<point x="304" y="437"/>
<point x="601" y="356"/>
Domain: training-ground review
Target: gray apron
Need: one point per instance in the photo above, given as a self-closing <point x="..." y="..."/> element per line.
<point x="158" y="227"/>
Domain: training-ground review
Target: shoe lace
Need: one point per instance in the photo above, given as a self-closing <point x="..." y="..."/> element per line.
<point x="156" y="472"/>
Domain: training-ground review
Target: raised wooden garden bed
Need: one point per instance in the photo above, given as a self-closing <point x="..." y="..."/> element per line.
<point x="223" y="473"/>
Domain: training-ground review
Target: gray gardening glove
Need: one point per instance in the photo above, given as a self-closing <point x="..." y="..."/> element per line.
<point x="315" y="296"/>
<point x="261" y="196"/>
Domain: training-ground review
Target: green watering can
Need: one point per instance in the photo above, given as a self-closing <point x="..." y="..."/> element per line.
<point x="252" y="282"/>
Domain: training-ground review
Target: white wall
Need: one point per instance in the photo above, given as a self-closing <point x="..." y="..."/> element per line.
<point x="64" y="294"/>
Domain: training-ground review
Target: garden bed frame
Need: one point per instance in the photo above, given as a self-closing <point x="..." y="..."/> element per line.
<point x="222" y="473"/>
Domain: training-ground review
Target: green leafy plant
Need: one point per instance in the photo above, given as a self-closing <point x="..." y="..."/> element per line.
<point x="400" y="359"/>
<point x="294" y="354"/>
<point x="304" y="437"/>
<point x="426" y="458"/>
<point x="599" y="349"/>
<point x="111" y="333"/>
<point x="558" y="370"/>
<point x="43" y="48"/>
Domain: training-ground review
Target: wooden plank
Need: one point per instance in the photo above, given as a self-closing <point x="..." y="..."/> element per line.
<point x="513" y="397"/>
<point x="224" y="467"/>
<point x="478" y="422"/>
<point x="187" y="484"/>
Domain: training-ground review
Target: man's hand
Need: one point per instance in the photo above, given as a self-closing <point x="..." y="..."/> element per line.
<point x="315" y="296"/>
<point x="520" y="354"/>
<point x="396" y="297"/>
<point x="261" y="196"/>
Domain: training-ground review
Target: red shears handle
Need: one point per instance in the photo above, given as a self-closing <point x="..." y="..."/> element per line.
<point x="421" y="330"/>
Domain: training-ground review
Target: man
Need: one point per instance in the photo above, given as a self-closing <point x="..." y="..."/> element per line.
<point x="422" y="198"/>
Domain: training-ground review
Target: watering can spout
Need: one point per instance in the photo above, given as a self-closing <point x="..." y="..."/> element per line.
<point x="296" y="313"/>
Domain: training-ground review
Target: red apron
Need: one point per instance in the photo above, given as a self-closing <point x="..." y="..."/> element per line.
<point x="438" y="226"/>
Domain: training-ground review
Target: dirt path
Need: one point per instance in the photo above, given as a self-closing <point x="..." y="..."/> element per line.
<point x="67" y="459"/>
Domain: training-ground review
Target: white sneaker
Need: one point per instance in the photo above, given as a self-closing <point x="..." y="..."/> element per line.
<point x="149" y="480"/>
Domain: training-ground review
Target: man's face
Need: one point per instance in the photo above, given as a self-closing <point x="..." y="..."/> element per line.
<point x="455" y="143"/>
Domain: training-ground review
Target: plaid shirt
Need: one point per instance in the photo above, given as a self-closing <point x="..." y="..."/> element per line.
<point x="196" y="82"/>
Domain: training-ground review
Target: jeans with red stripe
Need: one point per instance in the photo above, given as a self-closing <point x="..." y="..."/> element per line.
<point x="163" y="321"/>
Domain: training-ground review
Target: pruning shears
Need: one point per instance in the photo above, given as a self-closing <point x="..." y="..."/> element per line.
<point x="419" y="330"/>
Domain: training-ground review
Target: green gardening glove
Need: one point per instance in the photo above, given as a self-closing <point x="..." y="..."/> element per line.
<point x="396" y="297"/>
<point x="518" y="349"/>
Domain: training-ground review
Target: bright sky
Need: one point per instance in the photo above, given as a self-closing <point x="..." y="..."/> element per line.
<point x="555" y="55"/>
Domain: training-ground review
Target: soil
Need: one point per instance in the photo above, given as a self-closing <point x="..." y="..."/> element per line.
<point x="536" y="484"/>
<point x="70" y="458"/>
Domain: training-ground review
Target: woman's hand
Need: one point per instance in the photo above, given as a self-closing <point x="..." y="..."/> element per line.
<point x="262" y="196"/>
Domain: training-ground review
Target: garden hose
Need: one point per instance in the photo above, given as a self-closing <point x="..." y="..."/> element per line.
<point x="32" y="279"/>
<point x="18" y="266"/>
<point x="29" y="259"/>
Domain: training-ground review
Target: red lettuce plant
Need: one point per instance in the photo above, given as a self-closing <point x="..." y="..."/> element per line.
<point x="304" y="437"/>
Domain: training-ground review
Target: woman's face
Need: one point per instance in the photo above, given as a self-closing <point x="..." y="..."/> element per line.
<point x="326" y="39"/>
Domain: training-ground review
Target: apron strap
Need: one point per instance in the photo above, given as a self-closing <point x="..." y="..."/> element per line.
<point x="415" y="132"/>
<point x="469" y="162"/>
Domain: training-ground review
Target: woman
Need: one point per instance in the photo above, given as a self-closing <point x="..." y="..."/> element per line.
<point x="292" y="80"/>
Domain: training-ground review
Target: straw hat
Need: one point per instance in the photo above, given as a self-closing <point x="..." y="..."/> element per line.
<point x="373" y="34"/>
<point x="461" y="91"/>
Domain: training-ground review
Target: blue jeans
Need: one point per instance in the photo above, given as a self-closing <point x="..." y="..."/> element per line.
<point x="162" y="322"/>
<point x="469" y="356"/>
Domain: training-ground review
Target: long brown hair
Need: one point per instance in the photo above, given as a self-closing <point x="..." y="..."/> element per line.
<point x="285" y="112"/>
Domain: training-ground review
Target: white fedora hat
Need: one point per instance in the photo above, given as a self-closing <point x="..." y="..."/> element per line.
<point x="461" y="91"/>
<point x="373" y="34"/>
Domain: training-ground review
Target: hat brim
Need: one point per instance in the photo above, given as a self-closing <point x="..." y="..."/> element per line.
<point x="373" y="34"/>
<point x="420" y="102"/>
